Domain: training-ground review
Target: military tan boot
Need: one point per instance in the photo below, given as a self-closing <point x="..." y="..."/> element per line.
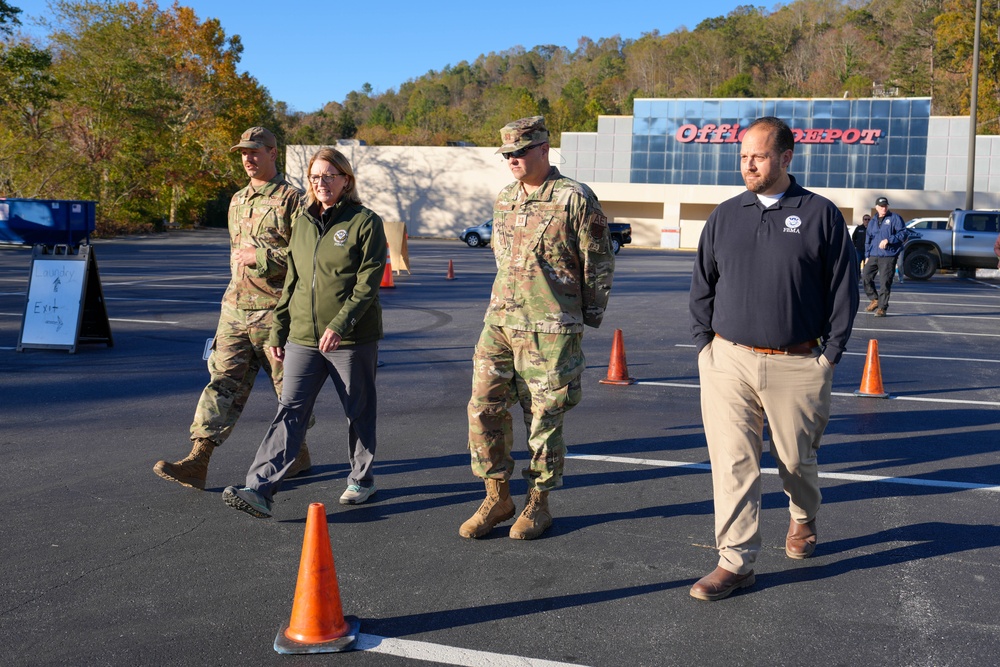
<point x="302" y="462"/>
<point x="191" y="471"/>
<point x="534" y="519"/>
<point x="497" y="508"/>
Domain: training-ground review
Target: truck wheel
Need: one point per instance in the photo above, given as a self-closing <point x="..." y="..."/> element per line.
<point x="919" y="264"/>
<point x="616" y="245"/>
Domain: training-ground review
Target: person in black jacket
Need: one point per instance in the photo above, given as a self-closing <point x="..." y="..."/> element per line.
<point x="773" y="300"/>
<point x="858" y="237"/>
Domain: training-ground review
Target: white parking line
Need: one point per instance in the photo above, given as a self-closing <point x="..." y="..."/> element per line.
<point x="960" y="401"/>
<point x="851" y="477"/>
<point x="926" y="331"/>
<point x="446" y="655"/>
<point x="903" y="356"/>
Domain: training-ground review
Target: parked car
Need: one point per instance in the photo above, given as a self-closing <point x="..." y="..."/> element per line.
<point x="480" y="235"/>
<point x="966" y="243"/>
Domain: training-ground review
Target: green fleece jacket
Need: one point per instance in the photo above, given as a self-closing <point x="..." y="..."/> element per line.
<point x="334" y="272"/>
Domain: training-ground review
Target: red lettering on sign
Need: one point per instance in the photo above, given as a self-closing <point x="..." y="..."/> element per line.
<point x="851" y="135"/>
<point x="869" y="136"/>
<point x="686" y="133"/>
<point x="726" y="133"/>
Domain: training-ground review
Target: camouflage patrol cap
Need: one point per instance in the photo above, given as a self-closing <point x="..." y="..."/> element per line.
<point x="256" y="137"/>
<point x="523" y="133"/>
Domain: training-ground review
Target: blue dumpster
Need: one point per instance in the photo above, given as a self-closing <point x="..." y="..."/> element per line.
<point x="46" y="221"/>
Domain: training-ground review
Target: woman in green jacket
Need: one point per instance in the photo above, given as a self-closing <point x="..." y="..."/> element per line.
<point x="327" y="324"/>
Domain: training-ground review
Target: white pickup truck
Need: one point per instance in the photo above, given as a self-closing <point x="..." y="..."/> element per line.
<point x="966" y="242"/>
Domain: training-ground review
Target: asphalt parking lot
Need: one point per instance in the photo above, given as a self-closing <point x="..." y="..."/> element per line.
<point x="106" y="564"/>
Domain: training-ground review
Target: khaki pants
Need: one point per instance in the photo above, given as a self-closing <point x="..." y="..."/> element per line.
<point x="738" y="387"/>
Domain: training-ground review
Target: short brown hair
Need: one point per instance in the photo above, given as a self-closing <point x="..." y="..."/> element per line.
<point x="340" y="161"/>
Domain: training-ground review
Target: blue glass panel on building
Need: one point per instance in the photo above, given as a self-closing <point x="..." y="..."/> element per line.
<point x="917" y="147"/>
<point x="658" y="144"/>
<point x="900" y="108"/>
<point x="729" y="109"/>
<point x="880" y="108"/>
<point x="640" y="144"/>
<point x="656" y="161"/>
<point x="840" y="109"/>
<point x="839" y="164"/>
<point x="641" y="108"/>
<point x="895" y="182"/>
<point x="835" y="181"/>
<point x="658" y="127"/>
<point x="822" y="110"/>
<point x="639" y="160"/>
<point x="899" y="127"/>
<point x="692" y="109"/>
<point x="878" y="164"/>
<point x="818" y="164"/>
<point x="897" y="152"/>
<point x="914" y="181"/>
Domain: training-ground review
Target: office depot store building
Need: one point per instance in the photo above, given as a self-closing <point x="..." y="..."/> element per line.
<point x="666" y="167"/>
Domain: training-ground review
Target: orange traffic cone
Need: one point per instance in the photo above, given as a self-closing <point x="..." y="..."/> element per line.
<point x="317" y="624"/>
<point x="387" y="276"/>
<point x="451" y="271"/>
<point x="617" y="368"/>
<point x="871" y="379"/>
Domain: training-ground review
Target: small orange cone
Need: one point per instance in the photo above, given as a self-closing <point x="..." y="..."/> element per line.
<point x="387" y="280"/>
<point x="617" y="368"/>
<point x="451" y="271"/>
<point x="317" y="624"/>
<point x="871" y="379"/>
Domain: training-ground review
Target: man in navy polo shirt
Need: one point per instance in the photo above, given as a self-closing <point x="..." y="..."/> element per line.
<point x="773" y="300"/>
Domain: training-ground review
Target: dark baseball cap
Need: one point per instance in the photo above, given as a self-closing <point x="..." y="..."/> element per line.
<point x="881" y="201"/>
<point x="256" y="137"/>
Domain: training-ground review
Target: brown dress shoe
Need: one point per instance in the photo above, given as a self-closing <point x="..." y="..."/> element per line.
<point x="720" y="584"/>
<point x="880" y="312"/>
<point x="801" y="540"/>
<point x="872" y="306"/>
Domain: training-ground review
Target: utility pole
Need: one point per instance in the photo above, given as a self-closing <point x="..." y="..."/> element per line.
<point x="970" y="186"/>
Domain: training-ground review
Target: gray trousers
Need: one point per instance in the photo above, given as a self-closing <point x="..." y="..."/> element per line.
<point x="352" y="369"/>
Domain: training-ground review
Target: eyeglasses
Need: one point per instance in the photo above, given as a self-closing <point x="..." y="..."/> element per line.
<point x="326" y="178"/>
<point x="519" y="153"/>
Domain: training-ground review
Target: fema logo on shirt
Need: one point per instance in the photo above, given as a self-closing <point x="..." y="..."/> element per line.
<point x="340" y="237"/>
<point x="792" y="224"/>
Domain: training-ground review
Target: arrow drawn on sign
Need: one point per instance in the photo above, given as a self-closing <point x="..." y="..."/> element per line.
<point x="58" y="322"/>
<point x="55" y="285"/>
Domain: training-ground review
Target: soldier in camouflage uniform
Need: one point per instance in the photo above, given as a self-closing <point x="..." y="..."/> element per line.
<point x="260" y="226"/>
<point x="554" y="271"/>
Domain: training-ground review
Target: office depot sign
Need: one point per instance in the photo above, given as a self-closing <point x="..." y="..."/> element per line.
<point x="725" y="133"/>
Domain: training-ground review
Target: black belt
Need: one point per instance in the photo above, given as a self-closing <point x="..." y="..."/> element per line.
<point x="797" y="349"/>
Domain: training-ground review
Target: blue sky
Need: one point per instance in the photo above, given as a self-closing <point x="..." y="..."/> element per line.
<point x="311" y="53"/>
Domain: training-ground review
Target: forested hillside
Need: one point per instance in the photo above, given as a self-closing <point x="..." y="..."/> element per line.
<point x="135" y="107"/>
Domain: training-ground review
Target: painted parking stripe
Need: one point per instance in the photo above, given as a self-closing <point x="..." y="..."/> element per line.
<point x="851" y="477"/>
<point x="921" y="399"/>
<point x="446" y="655"/>
<point x="927" y="331"/>
<point x="882" y="355"/>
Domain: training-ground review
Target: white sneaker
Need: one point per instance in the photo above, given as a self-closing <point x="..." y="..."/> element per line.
<point x="355" y="495"/>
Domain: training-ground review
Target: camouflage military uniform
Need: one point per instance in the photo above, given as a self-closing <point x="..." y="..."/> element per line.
<point x="554" y="272"/>
<point x="262" y="219"/>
